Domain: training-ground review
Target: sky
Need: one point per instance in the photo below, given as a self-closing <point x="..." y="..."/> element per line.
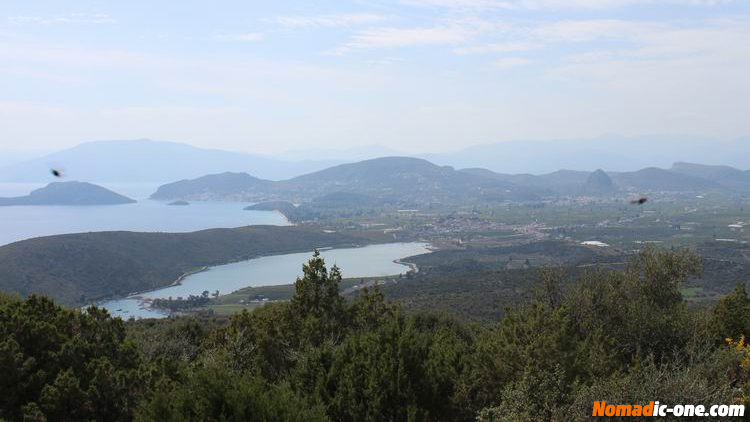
<point x="412" y="75"/>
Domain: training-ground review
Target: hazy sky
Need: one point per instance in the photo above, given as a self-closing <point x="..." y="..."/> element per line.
<point x="415" y="75"/>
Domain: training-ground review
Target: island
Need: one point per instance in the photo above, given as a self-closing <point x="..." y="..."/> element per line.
<point x="179" y="203"/>
<point x="69" y="193"/>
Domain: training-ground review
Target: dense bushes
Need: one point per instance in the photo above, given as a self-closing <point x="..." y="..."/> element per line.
<point x="64" y="365"/>
<point x="624" y="337"/>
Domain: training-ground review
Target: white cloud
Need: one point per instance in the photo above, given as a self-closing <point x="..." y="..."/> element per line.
<point x="508" y="62"/>
<point x="73" y="56"/>
<point x="405" y="37"/>
<point x="250" y="37"/>
<point x="591" y="30"/>
<point x="557" y="4"/>
<point x="386" y="61"/>
<point x="93" y="18"/>
<point x="609" y="4"/>
<point x="705" y="61"/>
<point x="507" y="47"/>
<point x="463" y="4"/>
<point x="333" y="20"/>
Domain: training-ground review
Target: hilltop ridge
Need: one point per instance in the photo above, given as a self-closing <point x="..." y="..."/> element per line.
<point x="392" y="179"/>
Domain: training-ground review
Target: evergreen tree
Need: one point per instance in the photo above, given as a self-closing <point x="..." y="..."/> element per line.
<point x="731" y="315"/>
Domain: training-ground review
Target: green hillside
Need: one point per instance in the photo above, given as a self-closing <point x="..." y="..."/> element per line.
<point x="75" y="269"/>
<point x="401" y="180"/>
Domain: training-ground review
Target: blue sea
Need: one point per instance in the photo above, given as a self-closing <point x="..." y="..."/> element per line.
<point x="24" y="222"/>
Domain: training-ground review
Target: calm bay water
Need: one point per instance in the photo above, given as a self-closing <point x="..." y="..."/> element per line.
<point x="25" y="222"/>
<point x="368" y="261"/>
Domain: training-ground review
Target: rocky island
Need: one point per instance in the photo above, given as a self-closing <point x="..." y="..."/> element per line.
<point x="69" y="193"/>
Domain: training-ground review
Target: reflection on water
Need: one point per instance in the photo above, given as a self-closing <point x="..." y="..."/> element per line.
<point x="369" y="261"/>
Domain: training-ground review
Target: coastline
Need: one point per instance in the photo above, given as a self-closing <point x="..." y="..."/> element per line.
<point x="178" y="281"/>
<point x="412" y="266"/>
<point x="145" y="303"/>
<point x="181" y="278"/>
<point x="286" y="219"/>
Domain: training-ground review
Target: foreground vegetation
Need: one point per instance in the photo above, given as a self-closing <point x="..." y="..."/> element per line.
<point x="623" y="336"/>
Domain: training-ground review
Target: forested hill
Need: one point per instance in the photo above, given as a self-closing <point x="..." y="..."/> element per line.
<point x="681" y="178"/>
<point x="399" y="178"/>
<point x="402" y="180"/>
<point x="75" y="269"/>
<point x="408" y="181"/>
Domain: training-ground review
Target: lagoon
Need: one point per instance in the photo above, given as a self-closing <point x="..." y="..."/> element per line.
<point x="368" y="261"/>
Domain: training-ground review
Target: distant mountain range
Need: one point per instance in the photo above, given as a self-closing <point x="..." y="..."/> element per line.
<point x="396" y="180"/>
<point x="151" y="161"/>
<point x="405" y="180"/>
<point x="613" y="153"/>
<point x="349" y="154"/>
<point x="69" y="193"/>
<point x="159" y="162"/>
<point x="510" y="170"/>
<point x="723" y="175"/>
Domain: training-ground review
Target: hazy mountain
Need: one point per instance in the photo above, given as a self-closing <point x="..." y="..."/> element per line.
<point x="69" y="193"/>
<point x="389" y="179"/>
<point x="599" y="182"/>
<point x="559" y="181"/>
<point x="613" y="153"/>
<point x="349" y="154"/>
<point x="151" y="161"/>
<point x="573" y="182"/>
<point x="11" y="157"/>
<point x="653" y="178"/>
<point x="404" y="179"/>
<point x="213" y="186"/>
<point x="408" y="180"/>
<point x="723" y="175"/>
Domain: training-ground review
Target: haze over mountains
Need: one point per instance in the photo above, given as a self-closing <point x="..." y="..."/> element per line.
<point x="161" y="162"/>
<point x="613" y="153"/>
<point x="680" y="177"/>
<point x="404" y="181"/>
<point x="150" y="161"/>
<point x="190" y="173"/>
<point x="388" y="179"/>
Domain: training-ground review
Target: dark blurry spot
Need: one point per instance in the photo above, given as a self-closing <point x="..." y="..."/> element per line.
<point x="56" y="173"/>
<point x="640" y="201"/>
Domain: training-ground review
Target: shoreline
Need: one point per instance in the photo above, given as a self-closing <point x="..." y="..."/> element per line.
<point x="177" y="282"/>
<point x="181" y="278"/>
<point x="412" y="266"/>
<point x="286" y="219"/>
